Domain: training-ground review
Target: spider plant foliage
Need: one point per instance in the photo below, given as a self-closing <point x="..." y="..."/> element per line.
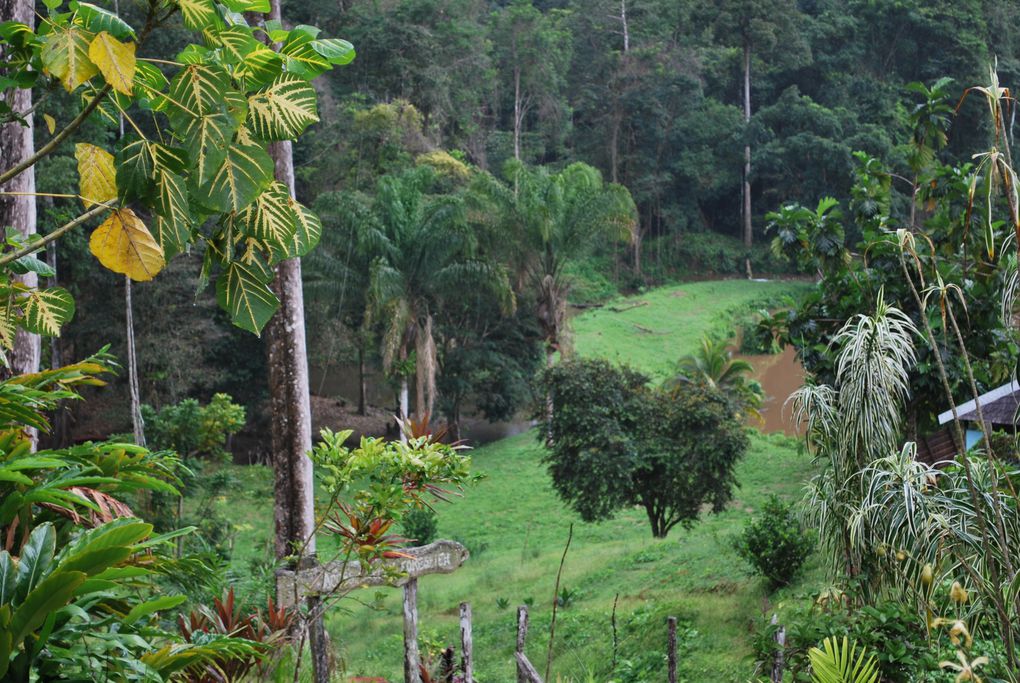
<point x="194" y="169"/>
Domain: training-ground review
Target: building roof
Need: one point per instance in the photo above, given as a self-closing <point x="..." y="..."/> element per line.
<point x="999" y="406"/>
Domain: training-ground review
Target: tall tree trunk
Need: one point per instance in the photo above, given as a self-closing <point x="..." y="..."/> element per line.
<point x="19" y="212"/>
<point x="748" y="235"/>
<point x="425" y="370"/>
<point x="137" y="424"/>
<point x="405" y="408"/>
<point x="518" y="112"/>
<point x="626" y="27"/>
<point x="550" y="353"/>
<point x="362" y="386"/>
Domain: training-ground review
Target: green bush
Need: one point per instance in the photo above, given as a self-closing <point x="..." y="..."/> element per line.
<point x="193" y="430"/>
<point x="420" y="525"/>
<point x="775" y="543"/>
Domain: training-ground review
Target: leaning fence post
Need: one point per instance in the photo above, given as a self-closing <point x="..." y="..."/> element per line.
<point x="467" y="664"/>
<point x="777" y="663"/>
<point x="522" y="633"/>
<point x="412" y="661"/>
<point x="671" y="621"/>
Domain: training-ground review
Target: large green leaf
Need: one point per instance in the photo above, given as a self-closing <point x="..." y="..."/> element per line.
<point x="198" y="14"/>
<point x="245" y="172"/>
<point x="301" y="56"/>
<point x="92" y="562"/>
<point x="36" y="558"/>
<point x="137" y="164"/>
<point x="339" y="52"/>
<point x="47" y="310"/>
<point x="259" y="66"/>
<point x="207" y="139"/>
<point x="8" y="572"/>
<point x="242" y="292"/>
<point x="309" y="230"/>
<point x="283" y="109"/>
<point x="51" y="594"/>
<point x="116" y="534"/>
<point x="198" y="90"/>
<point x="97" y="20"/>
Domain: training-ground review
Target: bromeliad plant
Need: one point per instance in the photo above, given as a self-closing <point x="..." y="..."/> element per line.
<point x="194" y="169"/>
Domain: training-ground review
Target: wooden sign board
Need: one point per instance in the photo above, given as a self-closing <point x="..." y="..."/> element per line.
<point x="441" y="557"/>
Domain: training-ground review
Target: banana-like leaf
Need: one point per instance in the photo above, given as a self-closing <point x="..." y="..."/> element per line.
<point x="8" y="572"/>
<point x="159" y="604"/>
<point x="36" y="559"/>
<point x="49" y="595"/>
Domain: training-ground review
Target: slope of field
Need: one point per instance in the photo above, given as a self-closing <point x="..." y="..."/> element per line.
<point x="516" y="527"/>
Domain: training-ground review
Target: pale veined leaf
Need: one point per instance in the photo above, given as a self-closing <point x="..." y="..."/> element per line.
<point x="96" y="175"/>
<point x="283" y="109"/>
<point x="137" y="163"/>
<point x="173" y="219"/>
<point x="275" y="31"/>
<point x="301" y="56"/>
<point x="260" y="66"/>
<point x="261" y="6"/>
<point x="46" y="310"/>
<point x="207" y="139"/>
<point x="242" y="291"/>
<point x="270" y="218"/>
<point x="339" y="52"/>
<point x="237" y="42"/>
<point x="116" y="61"/>
<point x="65" y="56"/>
<point x="8" y="326"/>
<point x="15" y="33"/>
<point x="245" y="172"/>
<point x="97" y="19"/>
<point x="198" y="90"/>
<point x="308" y="233"/>
<point x="198" y="14"/>
<point x="124" y="245"/>
<point x="193" y="54"/>
<point x="150" y="84"/>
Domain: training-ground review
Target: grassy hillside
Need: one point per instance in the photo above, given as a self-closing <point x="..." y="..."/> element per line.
<point x="515" y="527"/>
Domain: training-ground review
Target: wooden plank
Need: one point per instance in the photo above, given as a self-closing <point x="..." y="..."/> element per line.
<point x="467" y="664"/>
<point x="522" y="634"/>
<point x="672" y="649"/>
<point x="530" y="673"/>
<point x="441" y="557"/>
<point x="412" y="659"/>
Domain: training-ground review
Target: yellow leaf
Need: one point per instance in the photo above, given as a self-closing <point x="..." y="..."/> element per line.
<point x="116" y="61"/>
<point x="51" y="123"/>
<point x="97" y="177"/>
<point x="124" y="245"/>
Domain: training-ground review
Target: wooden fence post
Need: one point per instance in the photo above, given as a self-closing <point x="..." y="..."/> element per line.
<point x="522" y="633"/>
<point x="467" y="664"/>
<point x="412" y="660"/>
<point x="671" y="621"/>
<point x="778" y="663"/>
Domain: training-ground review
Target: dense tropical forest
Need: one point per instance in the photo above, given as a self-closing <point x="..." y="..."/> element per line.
<point x="608" y="340"/>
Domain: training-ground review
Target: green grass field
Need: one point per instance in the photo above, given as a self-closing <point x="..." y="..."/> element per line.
<point x="516" y="527"/>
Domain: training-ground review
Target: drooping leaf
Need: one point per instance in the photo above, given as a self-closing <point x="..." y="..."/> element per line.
<point x="283" y="109"/>
<point x="308" y="233"/>
<point x="97" y="177"/>
<point x="243" y="293"/>
<point x="124" y="245"/>
<point x="97" y="20"/>
<point x="173" y="218"/>
<point x="47" y="310"/>
<point x="116" y="61"/>
<point x="8" y="572"/>
<point x="159" y="604"/>
<point x="339" y="52"/>
<point x="32" y="264"/>
<point x="245" y="172"/>
<point x="65" y="56"/>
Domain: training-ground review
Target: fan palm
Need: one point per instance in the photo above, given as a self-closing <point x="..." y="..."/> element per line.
<point x="424" y="254"/>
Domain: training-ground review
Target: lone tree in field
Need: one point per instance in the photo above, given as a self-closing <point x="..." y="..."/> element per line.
<point x="619" y="442"/>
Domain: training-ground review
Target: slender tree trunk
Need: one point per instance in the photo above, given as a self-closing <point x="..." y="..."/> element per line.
<point x="549" y="362"/>
<point x="518" y="113"/>
<point x="405" y="408"/>
<point x="626" y="27"/>
<point x="137" y="424"/>
<point x="362" y="386"/>
<point x="19" y="212"/>
<point x="748" y="235"/>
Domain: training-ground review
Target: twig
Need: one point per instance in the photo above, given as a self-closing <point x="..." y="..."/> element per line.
<point x="556" y="595"/>
<point x="49" y="237"/>
<point x="616" y="636"/>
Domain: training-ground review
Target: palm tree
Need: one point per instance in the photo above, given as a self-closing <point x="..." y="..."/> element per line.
<point x="713" y="364"/>
<point x="424" y="254"/>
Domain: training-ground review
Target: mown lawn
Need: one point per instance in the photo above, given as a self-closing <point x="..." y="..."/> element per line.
<point x="516" y="527"/>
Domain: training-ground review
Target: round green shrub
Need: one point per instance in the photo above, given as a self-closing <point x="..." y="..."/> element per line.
<point x="775" y="543"/>
<point x="420" y="525"/>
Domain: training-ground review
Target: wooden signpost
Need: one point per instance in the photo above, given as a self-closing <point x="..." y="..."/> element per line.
<point x="441" y="557"/>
